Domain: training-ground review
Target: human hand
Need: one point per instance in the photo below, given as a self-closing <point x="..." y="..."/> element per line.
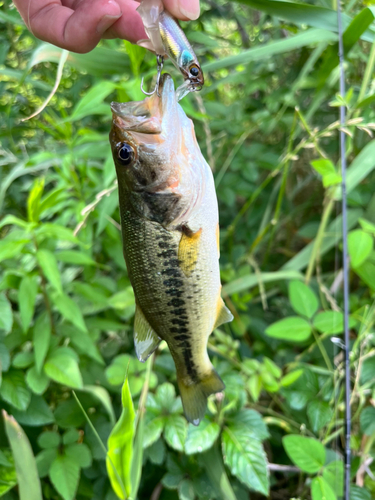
<point x="78" y="25"/>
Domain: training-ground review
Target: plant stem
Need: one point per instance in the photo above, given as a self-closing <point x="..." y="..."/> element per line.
<point x="322" y="350"/>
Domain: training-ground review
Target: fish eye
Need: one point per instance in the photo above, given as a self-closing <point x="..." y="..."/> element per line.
<point x="194" y="71"/>
<point x="125" y="154"/>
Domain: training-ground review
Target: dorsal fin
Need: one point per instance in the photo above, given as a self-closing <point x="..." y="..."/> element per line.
<point x="145" y="338"/>
<point x="223" y="314"/>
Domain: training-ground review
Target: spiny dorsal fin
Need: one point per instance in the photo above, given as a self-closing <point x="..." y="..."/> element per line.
<point x="188" y="250"/>
<point x="223" y="314"/>
<point x="145" y="339"/>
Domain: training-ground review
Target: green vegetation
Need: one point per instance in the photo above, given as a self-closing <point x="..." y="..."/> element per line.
<point x="267" y="123"/>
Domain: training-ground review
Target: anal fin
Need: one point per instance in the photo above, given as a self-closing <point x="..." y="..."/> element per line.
<point x="223" y="314"/>
<point x="145" y="338"/>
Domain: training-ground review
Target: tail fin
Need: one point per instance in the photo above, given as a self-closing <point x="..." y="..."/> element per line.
<point x="194" y="397"/>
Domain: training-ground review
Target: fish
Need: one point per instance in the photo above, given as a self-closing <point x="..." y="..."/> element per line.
<point x="166" y="38"/>
<point x="170" y="235"/>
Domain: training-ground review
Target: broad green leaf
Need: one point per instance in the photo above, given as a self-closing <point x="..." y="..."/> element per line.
<point x="49" y="439"/>
<point x="48" y="264"/>
<point x="44" y="460"/>
<point x="37" y="413"/>
<point x="75" y="257"/>
<point x="79" y="453"/>
<point x="329" y="322"/>
<point x="23" y="359"/>
<point x="319" y="413"/>
<point x="10" y="249"/>
<point x="120" y="447"/>
<point x="246" y="459"/>
<point x="33" y="200"/>
<point x="333" y="474"/>
<point x="71" y="436"/>
<point x="153" y="429"/>
<point x="327" y="170"/>
<point x="26" y="300"/>
<point x="62" y="367"/>
<point x="14" y="390"/>
<point x="367" y="226"/>
<point x="366" y="272"/>
<point x="88" y="105"/>
<point x="251" y="280"/>
<point x="69" y="310"/>
<point x="303" y="299"/>
<point x="293" y="329"/>
<point x="37" y="381"/>
<point x="123" y="299"/>
<point x="212" y="461"/>
<point x="367" y="420"/>
<point x="321" y="490"/>
<point x="41" y="340"/>
<point x="186" y="490"/>
<point x="4" y="358"/>
<point x="306" y="453"/>
<point x="64" y="475"/>
<point x="7" y="472"/>
<point x="358" y="493"/>
<point x="201" y="438"/>
<point x="290" y="378"/>
<point x="360" y="245"/>
<point x="27" y="477"/>
<point x="6" y="315"/>
<point x="303" y="39"/>
<point x="101" y="394"/>
<point x="175" y="431"/>
<point x="137" y="458"/>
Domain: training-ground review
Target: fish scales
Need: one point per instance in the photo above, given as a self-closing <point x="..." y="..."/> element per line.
<point x="169" y="220"/>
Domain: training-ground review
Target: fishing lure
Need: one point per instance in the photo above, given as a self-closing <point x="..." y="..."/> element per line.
<point x="166" y="38"/>
<point x="170" y="232"/>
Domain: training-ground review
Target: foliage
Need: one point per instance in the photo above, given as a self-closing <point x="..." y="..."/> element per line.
<point x="267" y="122"/>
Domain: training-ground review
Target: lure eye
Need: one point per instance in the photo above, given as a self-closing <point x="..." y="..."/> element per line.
<point x="194" y="71"/>
<point x="125" y="154"/>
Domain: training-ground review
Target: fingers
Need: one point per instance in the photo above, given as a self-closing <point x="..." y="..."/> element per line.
<point x="183" y="9"/>
<point x="130" y="25"/>
<point x="78" y="30"/>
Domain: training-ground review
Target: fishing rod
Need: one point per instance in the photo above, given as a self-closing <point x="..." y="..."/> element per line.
<point x="345" y="262"/>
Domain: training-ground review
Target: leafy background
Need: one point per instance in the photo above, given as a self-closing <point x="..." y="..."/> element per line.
<point x="267" y="123"/>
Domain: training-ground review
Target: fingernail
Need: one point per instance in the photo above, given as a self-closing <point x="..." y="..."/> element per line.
<point x="190" y="9"/>
<point x="110" y="18"/>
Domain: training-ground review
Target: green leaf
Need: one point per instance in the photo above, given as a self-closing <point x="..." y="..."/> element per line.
<point x="37" y="381"/>
<point x="333" y="474"/>
<point x="290" y="378"/>
<point x="201" y="438"/>
<point x="357" y="493"/>
<point x="26" y="300"/>
<point x="49" y="439"/>
<point x="80" y="453"/>
<point x="319" y="413"/>
<point x="93" y="98"/>
<point x="321" y="490"/>
<point x="48" y="264"/>
<point x="212" y="461"/>
<point x="360" y="245"/>
<point x="329" y="322"/>
<point x="251" y="280"/>
<point x="62" y="367"/>
<point x="245" y="458"/>
<point x="120" y="447"/>
<point x="37" y="413"/>
<point x="41" y="340"/>
<point x="306" y="453"/>
<point x="23" y="359"/>
<point x="4" y="359"/>
<point x="367" y="226"/>
<point x="71" y="436"/>
<point x="251" y="422"/>
<point x="186" y="490"/>
<point x="14" y="391"/>
<point x="153" y="429"/>
<point x="328" y="171"/>
<point x="27" y="477"/>
<point x="6" y="315"/>
<point x="294" y="329"/>
<point x="101" y="394"/>
<point x="64" y="475"/>
<point x="33" y="200"/>
<point x="367" y="420"/>
<point x="44" y="460"/>
<point x="69" y="310"/>
<point x="7" y="472"/>
<point x="74" y="257"/>
<point x="175" y="431"/>
<point x="123" y="299"/>
<point x="303" y="299"/>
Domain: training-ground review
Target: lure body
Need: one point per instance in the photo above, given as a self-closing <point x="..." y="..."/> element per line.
<point x="169" y="220"/>
<point x="166" y="38"/>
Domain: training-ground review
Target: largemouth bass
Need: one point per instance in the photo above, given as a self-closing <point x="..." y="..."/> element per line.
<point x="170" y="232"/>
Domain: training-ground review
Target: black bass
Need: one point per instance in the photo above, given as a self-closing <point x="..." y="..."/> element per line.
<point x="170" y="232"/>
<point x="166" y="38"/>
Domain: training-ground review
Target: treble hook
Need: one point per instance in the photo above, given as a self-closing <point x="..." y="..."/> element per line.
<point x="160" y="63"/>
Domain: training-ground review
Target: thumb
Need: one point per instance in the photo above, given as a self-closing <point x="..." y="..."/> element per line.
<point x="183" y="9"/>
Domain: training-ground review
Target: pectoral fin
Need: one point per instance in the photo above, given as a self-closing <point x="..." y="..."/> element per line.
<point x="145" y="338"/>
<point x="188" y="250"/>
<point x="223" y="314"/>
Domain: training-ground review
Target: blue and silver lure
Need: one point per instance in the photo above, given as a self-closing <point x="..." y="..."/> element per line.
<point x="166" y="38"/>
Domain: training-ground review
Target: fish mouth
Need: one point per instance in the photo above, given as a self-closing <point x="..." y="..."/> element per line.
<point x="147" y="116"/>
